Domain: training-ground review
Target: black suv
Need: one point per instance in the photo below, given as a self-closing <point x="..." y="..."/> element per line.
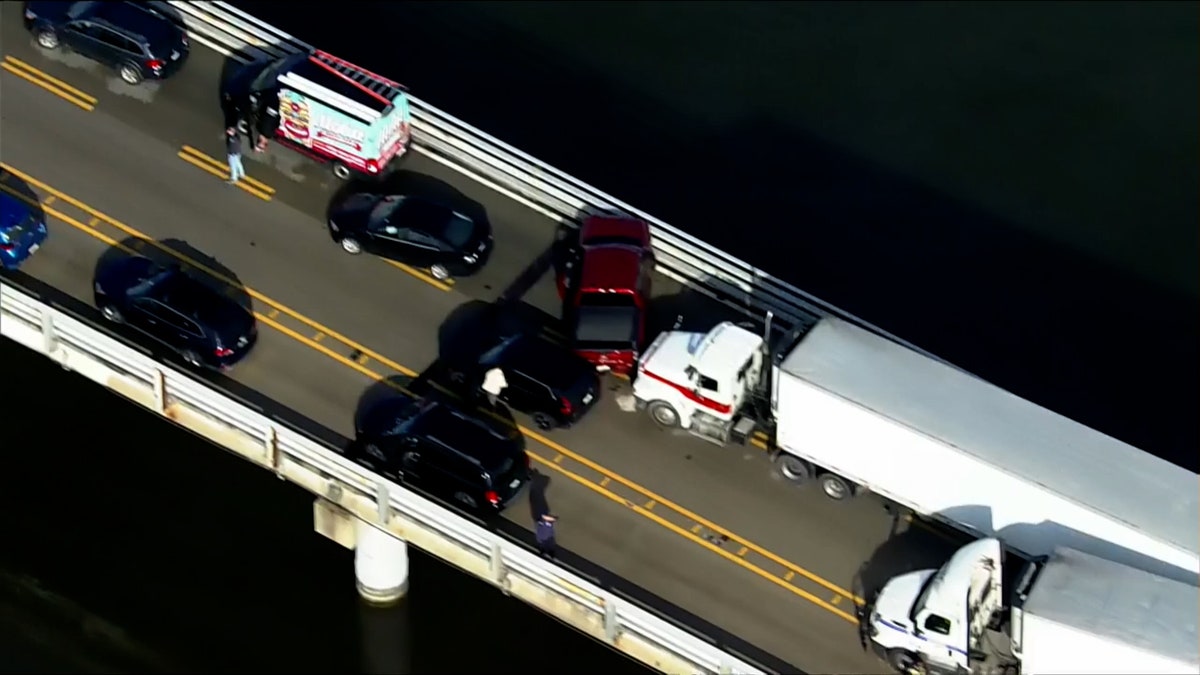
<point x="432" y="446"/>
<point x="206" y="327"/>
<point x="133" y="38"/>
<point x="551" y="383"/>
<point x="412" y="230"/>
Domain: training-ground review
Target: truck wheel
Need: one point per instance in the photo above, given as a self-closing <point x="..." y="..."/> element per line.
<point x="836" y="488"/>
<point x="905" y="662"/>
<point x="794" y="469"/>
<point x="663" y="414"/>
<point x="341" y="171"/>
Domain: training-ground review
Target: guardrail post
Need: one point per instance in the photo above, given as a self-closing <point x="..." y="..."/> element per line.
<point x="496" y="567"/>
<point x="383" y="503"/>
<point x="271" y="445"/>
<point x="159" y="382"/>
<point x="49" y="336"/>
<point x="611" y="627"/>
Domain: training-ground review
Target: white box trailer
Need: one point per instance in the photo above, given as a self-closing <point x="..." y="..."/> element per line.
<point x="1066" y="614"/>
<point x="860" y="412"/>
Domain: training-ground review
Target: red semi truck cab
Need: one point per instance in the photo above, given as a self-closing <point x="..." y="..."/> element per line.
<point x="605" y="287"/>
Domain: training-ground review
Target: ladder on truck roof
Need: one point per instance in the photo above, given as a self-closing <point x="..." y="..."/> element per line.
<point x="380" y="88"/>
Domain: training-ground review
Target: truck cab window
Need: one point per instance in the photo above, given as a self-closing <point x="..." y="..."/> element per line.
<point x="937" y="624"/>
<point x="706" y="383"/>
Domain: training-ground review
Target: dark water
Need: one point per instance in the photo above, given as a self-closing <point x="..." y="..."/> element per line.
<point x="132" y="546"/>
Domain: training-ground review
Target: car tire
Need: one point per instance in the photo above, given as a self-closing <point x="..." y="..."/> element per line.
<point x="341" y="171"/>
<point x="111" y="313"/>
<point x="350" y="245"/>
<point x="47" y="39"/>
<point x="191" y="358"/>
<point x="439" y="272"/>
<point x="130" y="74"/>
<point x="543" y="421"/>
<point x="663" y="414"/>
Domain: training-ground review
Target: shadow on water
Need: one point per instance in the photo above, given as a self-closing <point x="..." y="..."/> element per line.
<point x="1042" y="320"/>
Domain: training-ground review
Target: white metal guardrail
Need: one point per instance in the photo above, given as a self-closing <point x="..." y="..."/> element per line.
<point x="560" y="196"/>
<point x="292" y="455"/>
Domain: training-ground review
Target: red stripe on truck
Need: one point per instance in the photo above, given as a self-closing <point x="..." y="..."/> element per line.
<point x="720" y="408"/>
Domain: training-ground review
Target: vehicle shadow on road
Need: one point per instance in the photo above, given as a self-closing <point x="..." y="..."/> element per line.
<point x="197" y="264"/>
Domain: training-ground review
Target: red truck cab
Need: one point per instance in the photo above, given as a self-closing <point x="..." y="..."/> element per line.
<point x="605" y="287"/>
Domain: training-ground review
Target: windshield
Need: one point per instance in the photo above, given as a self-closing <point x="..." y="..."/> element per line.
<point x="384" y="209"/>
<point x="459" y="231"/>
<point x="606" y="321"/>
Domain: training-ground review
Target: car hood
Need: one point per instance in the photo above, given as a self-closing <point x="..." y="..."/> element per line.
<point x="353" y="211"/>
<point x="48" y="10"/>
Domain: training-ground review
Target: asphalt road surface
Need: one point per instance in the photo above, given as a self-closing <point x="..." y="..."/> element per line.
<point x="706" y="528"/>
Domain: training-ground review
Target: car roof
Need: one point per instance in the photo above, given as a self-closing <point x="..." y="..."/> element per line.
<point x="422" y="215"/>
<point x="617" y="267"/>
<point x="136" y="19"/>
<point x="201" y="301"/>
<point x="548" y="363"/>
<point x="467" y="435"/>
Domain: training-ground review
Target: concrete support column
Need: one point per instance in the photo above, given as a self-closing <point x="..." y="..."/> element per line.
<point x="380" y="565"/>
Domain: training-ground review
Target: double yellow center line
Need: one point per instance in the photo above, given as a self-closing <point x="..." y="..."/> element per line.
<point x="51" y="84"/>
<point x="221" y="170"/>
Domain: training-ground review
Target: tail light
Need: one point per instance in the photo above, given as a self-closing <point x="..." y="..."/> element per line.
<point x="7" y="247"/>
<point x="222" y="352"/>
<point x="564" y="406"/>
<point x="492" y="498"/>
<point x="372" y="166"/>
<point x="155" y="64"/>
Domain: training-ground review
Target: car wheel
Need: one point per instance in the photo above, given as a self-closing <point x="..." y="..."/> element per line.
<point x="543" y="421"/>
<point x="192" y="359"/>
<point x="130" y="73"/>
<point x="465" y="499"/>
<point x="47" y="39"/>
<point x="439" y="272"/>
<point x="112" y="314"/>
<point x="350" y="245"/>
<point x="341" y="171"/>
<point x="663" y="414"/>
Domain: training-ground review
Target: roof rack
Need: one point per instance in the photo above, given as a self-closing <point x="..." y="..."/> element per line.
<point x="381" y="88"/>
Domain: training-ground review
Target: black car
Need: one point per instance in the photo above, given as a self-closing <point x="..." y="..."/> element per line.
<point x="207" y="327"/>
<point x="545" y="380"/>
<point x="412" y="230"/>
<point x="135" y="39"/>
<point x="430" y="445"/>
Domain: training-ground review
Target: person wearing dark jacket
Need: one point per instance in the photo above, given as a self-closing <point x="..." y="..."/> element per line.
<point x="544" y="533"/>
<point x="233" y="152"/>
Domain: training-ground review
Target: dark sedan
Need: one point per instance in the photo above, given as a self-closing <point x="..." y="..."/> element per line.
<point x="138" y="41"/>
<point x="413" y="231"/>
<point x="207" y="327"/>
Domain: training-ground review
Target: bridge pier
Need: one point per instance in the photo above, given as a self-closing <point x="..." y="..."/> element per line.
<point x="380" y="565"/>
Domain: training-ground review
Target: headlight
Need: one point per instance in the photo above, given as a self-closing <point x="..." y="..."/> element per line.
<point x="470" y="258"/>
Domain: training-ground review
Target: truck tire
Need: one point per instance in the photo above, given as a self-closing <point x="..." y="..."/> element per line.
<point x="663" y="414"/>
<point x="793" y="468"/>
<point x="837" y="488"/>
<point x="905" y="662"/>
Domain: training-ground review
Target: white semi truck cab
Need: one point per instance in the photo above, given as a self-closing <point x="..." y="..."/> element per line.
<point x="1066" y="613"/>
<point x="706" y="383"/>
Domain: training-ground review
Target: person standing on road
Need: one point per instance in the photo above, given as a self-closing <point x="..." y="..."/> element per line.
<point x="544" y="532"/>
<point x="233" y="152"/>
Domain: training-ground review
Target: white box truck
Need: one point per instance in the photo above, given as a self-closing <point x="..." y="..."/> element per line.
<point x="857" y="412"/>
<point x="1064" y="614"/>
